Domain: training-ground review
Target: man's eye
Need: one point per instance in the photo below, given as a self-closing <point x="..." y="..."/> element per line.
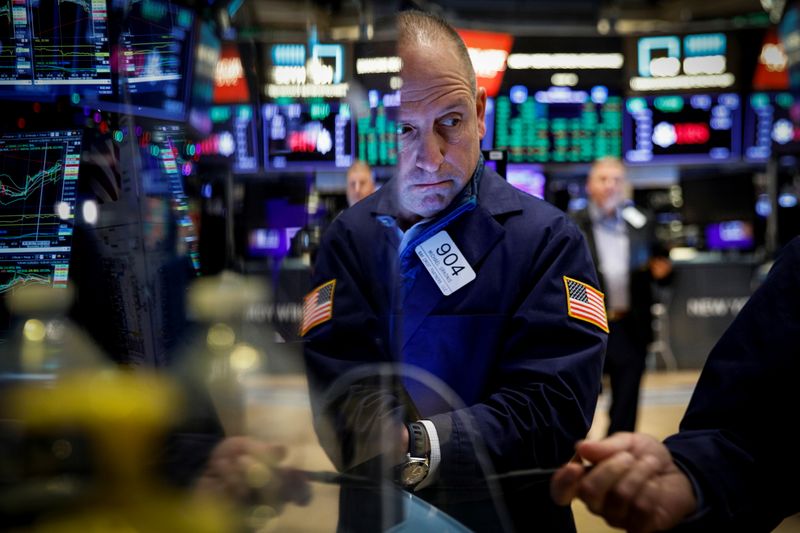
<point x="404" y="129"/>
<point x="451" y="122"/>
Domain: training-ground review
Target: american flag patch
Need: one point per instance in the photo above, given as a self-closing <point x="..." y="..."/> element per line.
<point x="586" y="303"/>
<point x="317" y="306"/>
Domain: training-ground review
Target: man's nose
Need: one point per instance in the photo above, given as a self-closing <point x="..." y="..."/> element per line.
<point x="430" y="154"/>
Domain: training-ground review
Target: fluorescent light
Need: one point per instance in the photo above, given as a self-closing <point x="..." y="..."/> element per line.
<point x="565" y="61"/>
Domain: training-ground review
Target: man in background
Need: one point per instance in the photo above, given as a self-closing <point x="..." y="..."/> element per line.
<point x="360" y="182"/>
<point x="628" y="260"/>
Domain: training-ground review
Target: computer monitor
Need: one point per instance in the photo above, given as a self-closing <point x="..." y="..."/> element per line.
<point x="273" y="212"/>
<point x="49" y="48"/>
<point x="730" y="235"/>
<point x="771" y="122"/>
<point x="233" y="139"/>
<point x="38" y="183"/>
<point x="528" y="178"/>
<point x="697" y="128"/>
<point x="155" y="56"/>
<point x="307" y="135"/>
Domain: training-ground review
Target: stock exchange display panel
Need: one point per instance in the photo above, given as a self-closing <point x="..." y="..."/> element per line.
<point x="771" y="121"/>
<point x="233" y="139"/>
<point x="558" y="125"/>
<point x="45" y="44"/>
<point x="38" y="177"/>
<point x="698" y="128"/>
<point x="377" y="129"/>
<point x="310" y="134"/>
<point x="155" y="59"/>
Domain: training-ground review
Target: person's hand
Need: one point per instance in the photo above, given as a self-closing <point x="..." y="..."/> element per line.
<point x="245" y="469"/>
<point x="633" y="485"/>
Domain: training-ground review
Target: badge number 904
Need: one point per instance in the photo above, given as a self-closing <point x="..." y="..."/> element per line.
<point x="445" y="263"/>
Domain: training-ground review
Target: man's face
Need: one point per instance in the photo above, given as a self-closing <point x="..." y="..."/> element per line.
<point x="606" y="185"/>
<point x="441" y="124"/>
<point x="359" y="184"/>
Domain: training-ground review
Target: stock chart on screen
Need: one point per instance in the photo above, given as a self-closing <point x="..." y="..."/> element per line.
<point x="38" y="177"/>
<point x="156" y="42"/>
<point x="55" y="42"/>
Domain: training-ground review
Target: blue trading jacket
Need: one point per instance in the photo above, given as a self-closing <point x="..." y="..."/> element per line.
<point x="739" y="437"/>
<point x="527" y="375"/>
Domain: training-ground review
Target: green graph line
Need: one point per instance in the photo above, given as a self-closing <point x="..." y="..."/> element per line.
<point x="18" y="279"/>
<point x="11" y="191"/>
<point x="5" y="11"/>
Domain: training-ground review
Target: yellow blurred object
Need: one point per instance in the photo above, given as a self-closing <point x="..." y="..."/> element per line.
<point x="220" y="358"/>
<point x="123" y="414"/>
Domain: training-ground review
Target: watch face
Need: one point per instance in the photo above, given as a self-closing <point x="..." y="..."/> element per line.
<point x="414" y="472"/>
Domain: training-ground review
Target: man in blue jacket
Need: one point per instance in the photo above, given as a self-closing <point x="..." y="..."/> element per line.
<point x="731" y="466"/>
<point x="468" y="283"/>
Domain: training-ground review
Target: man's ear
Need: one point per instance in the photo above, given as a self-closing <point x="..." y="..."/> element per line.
<point x="480" y="109"/>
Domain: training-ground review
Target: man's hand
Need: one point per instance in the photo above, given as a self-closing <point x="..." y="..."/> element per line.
<point x="244" y="469"/>
<point x="633" y="485"/>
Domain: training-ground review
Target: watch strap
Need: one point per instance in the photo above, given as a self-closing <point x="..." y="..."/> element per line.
<point x="418" y="443"/>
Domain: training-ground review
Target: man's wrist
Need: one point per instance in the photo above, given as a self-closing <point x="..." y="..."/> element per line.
<point x="415" y="468"/>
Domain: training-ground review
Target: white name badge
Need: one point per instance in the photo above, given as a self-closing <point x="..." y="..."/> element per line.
<point x="445" y="263"/>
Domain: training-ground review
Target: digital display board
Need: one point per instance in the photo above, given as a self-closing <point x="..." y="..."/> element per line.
<point x="311" y="134"/>
<point x="38" y="184"/>
<point x="699" y="128"/>
<point x="155" y="59"/>
<point x="772" y="119"/>
<point x="558" y="125"/>
<point x="233" y="137"/>
<point x="697" y="62"/>
<point x="730" y="235"/>
<point x="377" y="130"/>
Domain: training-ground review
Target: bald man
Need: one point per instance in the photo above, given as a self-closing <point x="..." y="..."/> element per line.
<point x="469" y="284"/>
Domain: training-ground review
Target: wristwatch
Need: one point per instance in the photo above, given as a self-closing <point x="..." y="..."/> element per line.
<point x="413" y="470"/>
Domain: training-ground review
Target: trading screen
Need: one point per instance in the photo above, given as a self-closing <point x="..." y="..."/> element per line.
<point x="55" y="42"/>
<point x="156" y="43"/>
<point x="38" y="176"/>
<point x="316" y="134"/>
<point x="771" y="121"/>
<point x="682" y="128"/>
<point x="559" y="125"/>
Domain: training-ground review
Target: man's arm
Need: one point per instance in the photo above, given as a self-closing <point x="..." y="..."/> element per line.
<point x="359" y="405"/>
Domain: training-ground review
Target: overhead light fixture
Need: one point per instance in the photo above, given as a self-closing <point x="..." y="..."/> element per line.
<point x="566" y="61"/>
<point x="714" y="81"/>
<point x="564" y="79"/>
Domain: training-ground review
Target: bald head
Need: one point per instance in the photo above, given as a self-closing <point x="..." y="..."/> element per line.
<point x="417" y="30"/>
